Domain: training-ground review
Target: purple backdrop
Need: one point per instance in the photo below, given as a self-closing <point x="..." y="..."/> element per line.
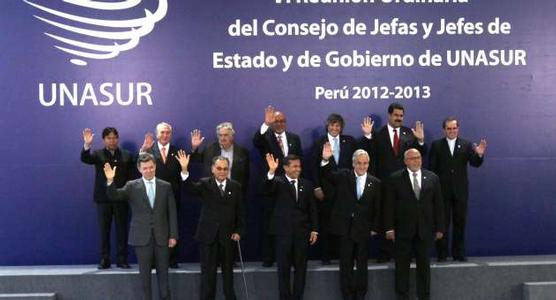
<point x="47" y="215"/>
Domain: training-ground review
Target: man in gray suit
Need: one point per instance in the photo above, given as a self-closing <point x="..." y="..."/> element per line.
<point x="154" y="226"/>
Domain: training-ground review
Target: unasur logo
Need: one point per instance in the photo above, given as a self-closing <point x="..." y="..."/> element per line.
<point x="88" y="38"/>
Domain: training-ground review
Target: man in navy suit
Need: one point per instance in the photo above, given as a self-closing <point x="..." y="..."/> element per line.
<point x="414" y="217"/>
<point x="449" y="158"/>
<point x="167" y="167"/>
<point x="273" y="138"/>
<point x="154" y="225"/>
<point x="293" y="222"/>
<point x="386" y="148"/>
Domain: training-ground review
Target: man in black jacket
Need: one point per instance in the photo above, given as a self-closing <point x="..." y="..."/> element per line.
<point x="220" y="225"/>
<point x="354" y="218"/>
<point x="449" y="158"/>
<point x="342" y="147"/>
<point x="273" y="138"/>
<point x="293" y="221"/>
<point x="108" y="209"/>
<point x="386" y="148"/>
<point x="414" y="216"/>
<point x="225" y="146"/>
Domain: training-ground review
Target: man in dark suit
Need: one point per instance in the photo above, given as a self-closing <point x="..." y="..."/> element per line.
<point x="414" y="216"/>
<point x="220" y="225"/>
<point x="167" y="168"/>
<point x="449" y="158"/>
<point x="343" y="147"/>
<point x="293" y="221"/>
<point x="106" y="208"/>
<point x="225" y="146"/>
<point x="386" y="149"/>
<point x="273" y="138"/>
<point x="354" y="217"/>
<point x="154" y="224"/>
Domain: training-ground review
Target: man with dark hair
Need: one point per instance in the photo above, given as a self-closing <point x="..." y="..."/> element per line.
<point x="106" y="208"/>
<point x="167" y="168"/>
<point x="293" y="221"/>
<point x="154" y="224"/>
<point x="273" y="138"/>
<point x="414" y="216"/>
<point x="386" y="147"/>
<point x="221" y="223"/>
<point x="343" y="147"/>
<point x="449" y="158"/>
<point x="355" y="218"/>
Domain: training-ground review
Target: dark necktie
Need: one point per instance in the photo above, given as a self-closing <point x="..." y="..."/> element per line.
<point x="221" y="188"/>
<point x="294" y="189"/>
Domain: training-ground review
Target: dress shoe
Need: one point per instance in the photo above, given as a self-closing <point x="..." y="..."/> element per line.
<point x="382" y="260"/>
<point x="326" y="262"/>
<point x="267" y="264"/>
<point x="123" y="265"/>
<point x="174" y="266"/>
<point x="460" y="258"/>
<point x="104" y="264"/>
<point x="441" y="259"/>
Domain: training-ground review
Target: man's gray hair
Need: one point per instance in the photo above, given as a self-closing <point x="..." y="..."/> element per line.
<point x="226" y="125"/>
<point x="359" y="152"/>
<point x="160" y="125"/>
<point x="220" y="157"/>
<point x="409" y="150"/>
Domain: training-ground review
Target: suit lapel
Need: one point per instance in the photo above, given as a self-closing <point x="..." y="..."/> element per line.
<point x="143" y="190"/>
<point x="368" y="186"/>
<point x="353" y="184"/>
<point x="408" y="185"/>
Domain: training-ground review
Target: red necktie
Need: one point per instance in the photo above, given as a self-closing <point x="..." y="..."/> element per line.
<point x="396" y="143"/>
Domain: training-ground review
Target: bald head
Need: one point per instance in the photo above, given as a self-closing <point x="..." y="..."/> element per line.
<point x="279" y="124"/>
<point x="412" y="159"/>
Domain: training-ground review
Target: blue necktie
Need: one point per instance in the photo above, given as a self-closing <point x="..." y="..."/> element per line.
<point x="360" y="187"/>
<point x="150" y="192"/>
<point x="336" y="149"/>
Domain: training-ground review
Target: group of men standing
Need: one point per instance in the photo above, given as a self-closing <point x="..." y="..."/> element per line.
<point x="374" y="186"/>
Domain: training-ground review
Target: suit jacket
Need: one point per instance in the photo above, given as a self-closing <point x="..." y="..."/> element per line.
<point x="169" y="171"/>
<point x="121" y="159"/>
<point x="384" y="161"/>
<point x="352" y="216"/>
<point x="348" y="145"/>
<point x="267" y="143"/>
<point x="240" y="163"/>
<point x="288" y="215"/>
<point x="409" y="216"/>
<point x="452" y="169"/>
<point x="160" y="220"/>
<point x="220" y="216"/>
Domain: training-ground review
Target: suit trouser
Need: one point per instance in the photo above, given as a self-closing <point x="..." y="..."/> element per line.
<point x="217" y="252"/>
<point x="291" y="250"/>
<point x="145" y="257"/>
<point x="353" y="282"/>
<point x="174" y="252"/>
<point x="403" y="250"/>
<point x="327" y="241"/>
<point x="107" y="211"/>
<point x="455" y="209"/>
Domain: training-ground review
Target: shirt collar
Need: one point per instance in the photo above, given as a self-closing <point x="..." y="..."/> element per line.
<point x="147" y="181"/>
<point x="290" y="179"/>
<point x="331" y="138"/>
<point x="411" y="172"/>
<point x="160" y="146"/>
